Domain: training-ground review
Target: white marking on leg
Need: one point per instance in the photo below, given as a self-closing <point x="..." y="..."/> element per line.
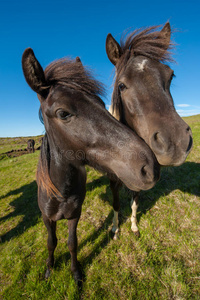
<point x="115" y="228"/>
<point x="141" y="65"/>
<point x="134" y="207"/>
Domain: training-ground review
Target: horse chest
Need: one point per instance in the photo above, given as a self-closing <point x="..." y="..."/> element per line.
<point x="67" y="209"/>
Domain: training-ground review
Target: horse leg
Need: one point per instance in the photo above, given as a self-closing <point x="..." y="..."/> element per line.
<point x="116" y="206"/>
<point x="134" y="206"/>
<point x="51" y="243"/>
<point x="72" y="245"/>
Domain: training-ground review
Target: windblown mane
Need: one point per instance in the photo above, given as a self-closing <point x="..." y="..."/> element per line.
<point x="73" y="74"/>
<point x="43" y="178"/>
<point x="146" y="42"/>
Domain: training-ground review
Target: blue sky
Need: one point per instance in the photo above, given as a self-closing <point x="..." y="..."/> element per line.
<point x="55" y="29"/>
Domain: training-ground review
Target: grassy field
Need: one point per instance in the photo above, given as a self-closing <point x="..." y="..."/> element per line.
<point x="8" y="144"/>
<point x="164" y="263"/>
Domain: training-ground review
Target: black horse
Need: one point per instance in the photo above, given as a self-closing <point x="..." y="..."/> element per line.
<point x="79" y="131"/>
<point x="30" y="145"/>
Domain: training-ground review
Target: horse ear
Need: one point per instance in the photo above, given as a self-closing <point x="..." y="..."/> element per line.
<point x="34" y="73"/>
<point x="166" y="33"/>
<point x="113" y="49"/>
<point x="78" y="60"/>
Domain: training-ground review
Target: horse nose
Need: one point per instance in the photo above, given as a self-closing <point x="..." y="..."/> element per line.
<point x="150" y="174"/>
<point x="171" y="146"/>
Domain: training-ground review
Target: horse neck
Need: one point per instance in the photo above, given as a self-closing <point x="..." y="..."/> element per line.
<point x="65" y="170"/>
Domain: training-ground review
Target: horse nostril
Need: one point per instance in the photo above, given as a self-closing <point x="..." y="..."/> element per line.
<point x="157" y="143"/>
<point x="189" y="145"/>
<point x="158" y="138"/>
<point x="188" y="128"/>
<point x="143" y="171"/>
<point x="155" y="136"/>
<point x="147" y="174"/>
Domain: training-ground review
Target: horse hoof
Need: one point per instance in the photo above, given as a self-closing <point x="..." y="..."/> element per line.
<point x="137" y="233"/>
<point x="115" y="234"/>
<point x="47" y="274"/>
<point x="78" y="278"/>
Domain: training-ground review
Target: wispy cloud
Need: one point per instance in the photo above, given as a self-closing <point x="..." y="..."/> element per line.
<point x="188" y="112"/>
<point x="183" y="105"/>
<point x="185" y="110"/>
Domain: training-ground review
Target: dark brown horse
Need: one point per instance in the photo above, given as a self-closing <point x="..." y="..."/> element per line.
<point x="30" y="145"/>
<point x="142" y="99"/>
<point x="79" y="131"/>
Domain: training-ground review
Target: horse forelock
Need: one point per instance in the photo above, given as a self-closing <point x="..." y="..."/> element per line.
<point x="148" y="42"/>
<point x="74" y="75"/>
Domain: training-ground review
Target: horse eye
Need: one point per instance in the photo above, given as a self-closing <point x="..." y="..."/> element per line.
<point x="121" y="87"/>
<point x="63" y="115"/>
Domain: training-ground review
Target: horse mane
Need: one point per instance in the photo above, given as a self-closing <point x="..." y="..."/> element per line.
<point x="43" y="179"/>
<point x="147" y="42"/>
<point x="71" y="73"/>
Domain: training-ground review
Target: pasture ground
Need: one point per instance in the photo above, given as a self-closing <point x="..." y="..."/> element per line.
<point x="164" y="263"/>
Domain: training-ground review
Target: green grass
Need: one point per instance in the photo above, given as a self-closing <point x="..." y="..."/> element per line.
<point x="164" y="263"/>
<point x="8" y="144"/>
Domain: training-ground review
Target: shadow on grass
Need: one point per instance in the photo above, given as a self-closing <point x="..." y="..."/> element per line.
<point x="185" y="178"/>
<point x="26" y="205"/>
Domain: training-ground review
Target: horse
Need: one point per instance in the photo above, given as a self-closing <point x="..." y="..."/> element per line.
<point x="142" y="100"/>
<point x="30" y="145"/>
<point x="79" y="131"/>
